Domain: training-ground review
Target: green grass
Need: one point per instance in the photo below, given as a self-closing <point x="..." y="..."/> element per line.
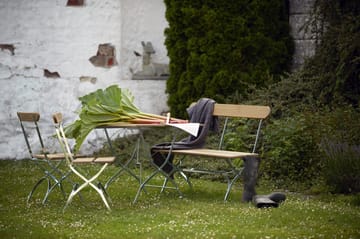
<point x="200" y="214"/>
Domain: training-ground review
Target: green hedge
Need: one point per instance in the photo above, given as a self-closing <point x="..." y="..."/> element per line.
<point x="290" y="152"/>
<point x="220" y="47"/>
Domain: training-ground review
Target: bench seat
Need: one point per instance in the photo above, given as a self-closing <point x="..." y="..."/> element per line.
<point x="212" y="153"/>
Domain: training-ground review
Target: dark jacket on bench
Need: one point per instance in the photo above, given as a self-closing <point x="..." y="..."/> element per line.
<point x="201" y="112"/>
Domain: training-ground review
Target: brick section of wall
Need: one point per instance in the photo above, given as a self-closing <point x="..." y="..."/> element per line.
<point x="9" y="47"/>
<point x="75" y="3"/>
<point x="105" y="56"/>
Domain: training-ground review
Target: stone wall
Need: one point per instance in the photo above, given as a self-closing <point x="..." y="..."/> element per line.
<point x="299" y="16"/>
<point x="44" y="60"/>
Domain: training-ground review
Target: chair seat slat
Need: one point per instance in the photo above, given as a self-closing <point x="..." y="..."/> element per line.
<point x="104" y="160"/>
<point x="83" y="160"/>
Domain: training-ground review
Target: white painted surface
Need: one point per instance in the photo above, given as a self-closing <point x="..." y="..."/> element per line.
<point x="49" y="35"/>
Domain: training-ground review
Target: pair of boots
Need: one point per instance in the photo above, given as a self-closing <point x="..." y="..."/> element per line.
<point x="271" y="200"/>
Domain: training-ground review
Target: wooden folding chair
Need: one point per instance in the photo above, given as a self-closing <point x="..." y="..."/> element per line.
<point x="75" y="163"/>
<point x="49" y="163"/>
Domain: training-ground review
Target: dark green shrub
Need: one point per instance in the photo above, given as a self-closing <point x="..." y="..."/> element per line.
<point x="291" y="149"/>
<point x="219" y="47"/>
<point x="290" y="153"/>
<point x="340" y="139"/>
<point x="341" y="166"/>
<point x="336" y="63"/>
<point x="321" y="92"/>
<point x="331" y="77"/>
<point x="294" y="93"/>
<point x="340" y="124"/>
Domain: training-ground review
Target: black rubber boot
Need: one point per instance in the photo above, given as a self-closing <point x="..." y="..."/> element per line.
<point x="271" y="200"/>
<point x="277" y="197"/>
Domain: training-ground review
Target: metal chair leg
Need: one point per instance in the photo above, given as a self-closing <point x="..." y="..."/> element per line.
<point x="88" y="182"/>
<point x="34" y="188"/>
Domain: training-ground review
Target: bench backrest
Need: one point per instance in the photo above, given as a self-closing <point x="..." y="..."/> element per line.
<point x="241" y="111"/>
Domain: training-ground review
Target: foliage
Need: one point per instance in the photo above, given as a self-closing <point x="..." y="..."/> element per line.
<point x="340" y="124"/>
<point x="200" y="214"/>
<point x="317" y="102"/>
<point x="294" y="93"/>
<point x="339" y="145"/>
<point x="290" y="152"/>
<point x="219" y="47"/>
<point x="336" y="63"/>
<point x="342" y="166"/>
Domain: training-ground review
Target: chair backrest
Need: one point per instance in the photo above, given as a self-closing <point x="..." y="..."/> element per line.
<point x="30" y="118"/>
<point x="241" y="111"/>
<point x="58" y="121"/>
<point x="57" y="118"/>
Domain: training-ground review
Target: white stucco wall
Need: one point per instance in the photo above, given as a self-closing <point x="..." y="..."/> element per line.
<point x="49" y="35"/>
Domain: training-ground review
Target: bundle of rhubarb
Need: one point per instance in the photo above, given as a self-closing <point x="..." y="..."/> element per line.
<point x="111" y="105"/>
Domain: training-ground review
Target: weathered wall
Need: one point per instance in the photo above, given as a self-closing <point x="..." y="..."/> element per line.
<point x="299" y="12"/>
<point x="49" y="35"/>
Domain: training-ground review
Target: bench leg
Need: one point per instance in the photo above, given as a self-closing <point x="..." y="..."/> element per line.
<point x="251" y="166"/>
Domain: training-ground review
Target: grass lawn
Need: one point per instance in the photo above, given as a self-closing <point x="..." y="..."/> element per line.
<point x="200" y="214"/>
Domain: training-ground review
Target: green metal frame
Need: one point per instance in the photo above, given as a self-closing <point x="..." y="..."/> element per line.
<point x="125" y="167"/>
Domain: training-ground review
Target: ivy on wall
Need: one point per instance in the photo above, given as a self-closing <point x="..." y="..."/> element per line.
<point x="218" y="48"/>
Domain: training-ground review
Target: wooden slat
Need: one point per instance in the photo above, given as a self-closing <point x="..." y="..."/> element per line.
<point x="247" y="111"/>
<point x="83" y="160"/>
<point x="29" y="116"/>
<point x="57" y="117"/>
<point x="104" y="160"/>
<point x="55" y="156"/>
<point x="212" y="153"/>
